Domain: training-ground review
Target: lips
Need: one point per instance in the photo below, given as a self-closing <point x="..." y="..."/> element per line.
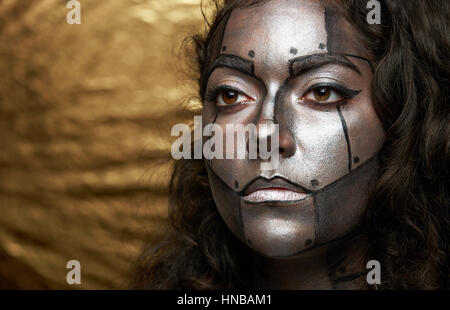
<point x="274" y="194"/>
<point x="275" y="190"/>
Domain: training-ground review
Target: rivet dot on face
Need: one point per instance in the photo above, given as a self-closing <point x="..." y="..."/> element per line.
<point x="293" y="51"/>
<point x="356" y="159"/>
<point x="314" y="182"/>
<point x="236" y="184"/>
<point x="224" y="48"/>
<point x="321" y="46"/>
<point x="251" y="53"/>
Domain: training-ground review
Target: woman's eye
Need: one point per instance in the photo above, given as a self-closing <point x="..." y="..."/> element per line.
<point x="230" y="97"/>
<point x="323" y="95"/>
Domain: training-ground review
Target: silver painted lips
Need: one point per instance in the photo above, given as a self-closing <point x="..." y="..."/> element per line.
<point x="274" y="194"/>
<point x="275" y="190"/>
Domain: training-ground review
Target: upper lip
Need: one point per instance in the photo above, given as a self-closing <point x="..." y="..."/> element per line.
<point x="262" y="183"/>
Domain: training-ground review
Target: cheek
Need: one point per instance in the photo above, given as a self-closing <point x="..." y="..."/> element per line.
<point x="234" y="169"/>
<point x="366" y="134"/>
<point x="331" y="140"/>
<point x="339" y="208"/>
<point x="321" y="148"/>
<point x="228" y="204"/>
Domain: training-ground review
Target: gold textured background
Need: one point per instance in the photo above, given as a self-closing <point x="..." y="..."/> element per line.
<point x="86" y="112"/>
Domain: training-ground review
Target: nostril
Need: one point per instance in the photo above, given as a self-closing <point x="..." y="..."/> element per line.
<point x="286" y="144"/>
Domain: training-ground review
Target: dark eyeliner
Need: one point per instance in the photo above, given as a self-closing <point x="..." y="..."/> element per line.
<point x="211" y="95"/>
<point x="345" y="92"/>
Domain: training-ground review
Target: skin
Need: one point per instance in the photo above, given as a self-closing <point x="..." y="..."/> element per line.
<point x="275" y="62"/>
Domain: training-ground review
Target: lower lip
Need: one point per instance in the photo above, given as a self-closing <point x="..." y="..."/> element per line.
<point x="275" y="195"/>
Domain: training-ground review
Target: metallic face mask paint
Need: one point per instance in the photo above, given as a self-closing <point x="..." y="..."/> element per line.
<point x="283" y="56"/>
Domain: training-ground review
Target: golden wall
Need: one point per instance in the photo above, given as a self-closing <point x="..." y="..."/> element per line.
<point x="86" y="112"/>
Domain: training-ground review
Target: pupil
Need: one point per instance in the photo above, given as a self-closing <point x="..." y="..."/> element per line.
<point x="323" y="92"/>
<point x="230" y="94"/>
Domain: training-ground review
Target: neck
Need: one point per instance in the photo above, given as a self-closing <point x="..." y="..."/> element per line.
<point x="338" y="265"/>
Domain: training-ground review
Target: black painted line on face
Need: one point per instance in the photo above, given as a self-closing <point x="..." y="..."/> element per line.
<point x="213" y="122"/>
<point x="352" y="234"/>
<point x="361" y="58"/>
<point x="215" y="118"/>
<point x="241" y="222"/>
<point x="350" y="277"/>
<point x="316" y="218"/>
<point x="234" y="62"/>
<point x="336" y="264"/>
<point x="345" y="237"/>
<point x="332" y="270"/>
<point x="347" y="139"/>
<point x="307" y="191"/>
<point x="302" y="64"/>
<point x="236" y="184"/>
<point x="330" y="27"/>
<point x="348" y="175"/>
<point x="222" y="25"/>
<point x="335" y="38"/>
<point x="281" y="93"/>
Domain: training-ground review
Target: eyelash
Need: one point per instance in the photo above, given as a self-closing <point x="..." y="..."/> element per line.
<point x="213" y="94"/>
<point x="344" y="92"/>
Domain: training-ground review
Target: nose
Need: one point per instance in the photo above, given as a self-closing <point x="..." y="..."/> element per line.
<point x="272" y="113"/>
<point x="286" y="143"/>
<point x="266" y="131"/>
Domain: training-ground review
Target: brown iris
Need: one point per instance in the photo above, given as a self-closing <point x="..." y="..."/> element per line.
<point x="229" y="96"/>
<point x="322" y="94"/>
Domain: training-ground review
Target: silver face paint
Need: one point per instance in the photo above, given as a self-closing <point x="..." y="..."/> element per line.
<point x="326" y="149"/>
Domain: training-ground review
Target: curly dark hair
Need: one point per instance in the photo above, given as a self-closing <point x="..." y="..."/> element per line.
<point x="407" y="220"/>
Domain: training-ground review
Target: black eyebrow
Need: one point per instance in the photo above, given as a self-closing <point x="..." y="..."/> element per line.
<point x="234" y="62"/>
<point x="300" y="65"/>
<point x="361" y="58"/>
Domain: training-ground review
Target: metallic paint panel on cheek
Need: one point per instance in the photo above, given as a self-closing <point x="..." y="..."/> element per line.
<point x="228" y="204"/>
<point x="236" y="171"/>
<point x="365" y="131"/>
<point x="321" y="156"/>
<point x="341" y="204"/>
<point x="279" y="230"/>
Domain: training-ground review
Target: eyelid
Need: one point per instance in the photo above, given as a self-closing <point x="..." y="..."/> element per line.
<point x="212" y="94"/>
<point x="251" y="86"/>
<point x="345" y="92"/>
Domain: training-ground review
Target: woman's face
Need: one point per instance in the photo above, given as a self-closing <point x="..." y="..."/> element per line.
<point x="297" y="65"/>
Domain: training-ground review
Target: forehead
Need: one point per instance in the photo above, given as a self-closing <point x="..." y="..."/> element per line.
<point x="271" y="33"/>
